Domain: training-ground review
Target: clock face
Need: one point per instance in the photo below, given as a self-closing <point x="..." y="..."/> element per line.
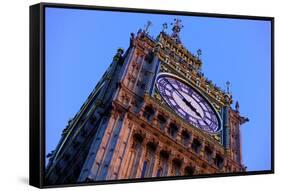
<point x="188" y="103"/>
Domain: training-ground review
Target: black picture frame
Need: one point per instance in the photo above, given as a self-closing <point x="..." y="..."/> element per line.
<point x="37" y="92"/>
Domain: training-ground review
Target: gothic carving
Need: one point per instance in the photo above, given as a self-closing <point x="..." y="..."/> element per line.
<point x="151" y="129"/>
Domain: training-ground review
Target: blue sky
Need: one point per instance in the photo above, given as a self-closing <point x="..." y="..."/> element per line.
<point x="80" y="45"/>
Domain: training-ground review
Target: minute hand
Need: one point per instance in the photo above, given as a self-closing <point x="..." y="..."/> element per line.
<point x="188" y="103"/>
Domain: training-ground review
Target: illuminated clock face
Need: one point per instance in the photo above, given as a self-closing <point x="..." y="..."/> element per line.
<point x="188" y="103"/>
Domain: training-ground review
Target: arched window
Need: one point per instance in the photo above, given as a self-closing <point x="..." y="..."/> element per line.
<point x="208" y="153"/>
<point x="143" y="172"/>
<point x="219" y="161"/>
<point x="149" y="56"/>
<point x="161" y="121"/>
<point x="173" y="130"/>
<point x="148" y="113"/>
<point x="177" y="166"/>
<point x="137" y="150"/>
<point x="196" y="146"/>
<point x="159" y="172"/>
<point x="150" y="161"/>
<point x="163" y="168"/>
<point x="185" y="137"/>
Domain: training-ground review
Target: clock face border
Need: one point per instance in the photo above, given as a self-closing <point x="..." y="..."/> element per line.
<point x="166" y="74"/>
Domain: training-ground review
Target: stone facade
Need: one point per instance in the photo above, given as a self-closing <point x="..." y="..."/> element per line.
<point x="124" y="130"/>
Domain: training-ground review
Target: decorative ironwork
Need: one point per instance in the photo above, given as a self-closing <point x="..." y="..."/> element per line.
<point x="177" y="26"/>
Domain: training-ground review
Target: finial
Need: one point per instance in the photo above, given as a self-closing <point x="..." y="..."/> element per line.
<point x="177" y="26"/>
<point x="165" y="26"/>
<point x="237" y="106"/>
<point x="228" y="87"/>
<point x="147" y="26"/>
<point x="199" y="53"/>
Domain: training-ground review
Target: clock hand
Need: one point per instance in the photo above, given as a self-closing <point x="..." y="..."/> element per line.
<point x="188" y="103"/>
<point x="194" y="110"/>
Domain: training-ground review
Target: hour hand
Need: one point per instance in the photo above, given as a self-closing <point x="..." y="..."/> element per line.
<point x="188" y="103"/>
<point x="191" y="107"/>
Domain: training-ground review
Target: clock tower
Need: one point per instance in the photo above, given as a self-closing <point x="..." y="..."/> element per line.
<point x="153" y="114"/>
